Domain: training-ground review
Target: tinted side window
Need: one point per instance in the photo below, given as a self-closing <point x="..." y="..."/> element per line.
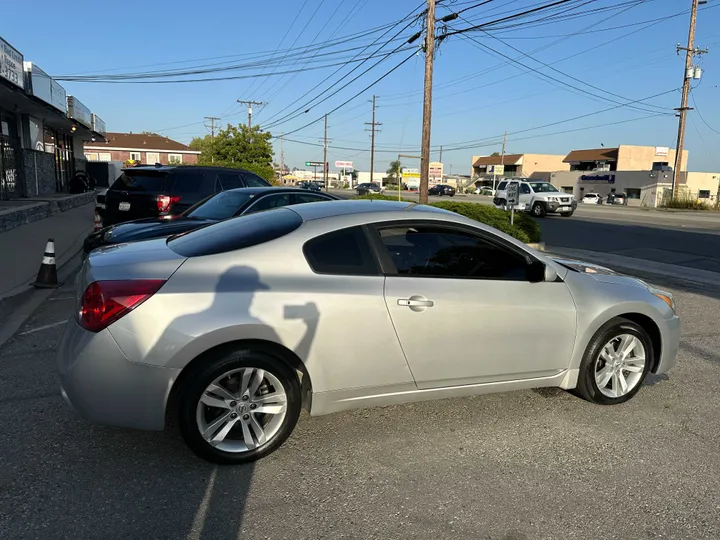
<point x="524" y="188"/>
<point x="140" y="181"/>
<point x="235" y="233"/>
<point x="186" y="183"/>
<point x="253" y="180"/>
<point x="230" y="181"/>
<point x="438" y="252"/>
<point x="502" y="185"/>
<point x="301" y="198"/>
<point x="269" y="202"/>
<point x="344" y="252"/>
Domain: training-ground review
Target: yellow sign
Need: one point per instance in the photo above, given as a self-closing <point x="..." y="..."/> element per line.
<point x="496" y="169"/>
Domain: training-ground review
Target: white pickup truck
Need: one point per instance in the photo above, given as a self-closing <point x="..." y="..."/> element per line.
<point x="537" y="197"/>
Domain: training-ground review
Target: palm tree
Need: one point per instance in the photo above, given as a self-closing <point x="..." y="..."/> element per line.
<point x="394" y="170"/>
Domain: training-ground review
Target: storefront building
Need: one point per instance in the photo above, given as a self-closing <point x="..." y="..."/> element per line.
<point x="42" y="129"/>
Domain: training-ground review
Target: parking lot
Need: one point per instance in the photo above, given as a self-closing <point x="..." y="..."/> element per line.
<point x="522" y="465"/>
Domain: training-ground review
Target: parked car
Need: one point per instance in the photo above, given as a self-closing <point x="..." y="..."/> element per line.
<point x="223" y="205"/>
<point x="234" y="327"/>
<point x="537" y="197"/>
<point x="152" y="192"/>
<point x="368" y="187"/>
<point x="484" y="190"/>
<point x="442" y="189"/>
<point x="312" y="186"/>
<point x="592" y="198"/>
<point x="617" y="198"/>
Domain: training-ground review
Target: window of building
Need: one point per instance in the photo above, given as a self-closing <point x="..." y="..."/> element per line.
<point x="432" y="251"/>
<point x="344" y="252"/>
<point x="633" y="193"/>
<point x="92" y="156"/>
<point x="104" y="156"/>
<point x="568" y="189"/>
<point x="660" y="166"/>
<point x="35" y="134"/>
<point x="704" y="194"/>
<point x="136" y="156"/>
<point x="174" y="159"/>
<point x="152" y="158"/>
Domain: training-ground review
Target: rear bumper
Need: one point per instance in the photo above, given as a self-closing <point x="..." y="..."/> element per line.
<point x="103" y="386"/>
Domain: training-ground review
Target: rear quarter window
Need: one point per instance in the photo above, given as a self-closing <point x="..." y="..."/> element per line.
<point x="344" y="252"/>
<point x="502" y="186"/>
<point x="186" y="183"/>
<point x="236" y="233"/>
<point x="151" y="181"/>
<point x="253" y="180"/>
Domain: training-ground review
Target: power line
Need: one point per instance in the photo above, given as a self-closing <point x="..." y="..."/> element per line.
<point x="692" y="94"/>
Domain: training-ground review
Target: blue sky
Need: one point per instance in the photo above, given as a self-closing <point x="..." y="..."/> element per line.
<point x="477" y="96"/>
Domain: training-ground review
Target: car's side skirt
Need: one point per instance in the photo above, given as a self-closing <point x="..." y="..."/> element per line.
<point x="380" y="396"/>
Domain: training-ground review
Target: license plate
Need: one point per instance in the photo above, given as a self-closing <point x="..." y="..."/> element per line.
<point x="564" y="209"/>
<point x="124" y="206"/>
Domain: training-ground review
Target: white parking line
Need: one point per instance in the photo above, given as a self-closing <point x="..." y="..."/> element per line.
<point x="40" y="328"/>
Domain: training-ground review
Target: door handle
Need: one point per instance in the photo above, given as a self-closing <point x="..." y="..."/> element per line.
<point x="415" y="301"/>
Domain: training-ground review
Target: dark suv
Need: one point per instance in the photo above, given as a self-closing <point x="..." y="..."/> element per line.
<point x="151" y="192"/>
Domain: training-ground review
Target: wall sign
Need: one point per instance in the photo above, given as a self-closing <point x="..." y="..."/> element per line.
<point x="42" y="86"/>
<point x="78" y="111"/>
<point x="11" y="64"/>
<point x="598" y="178"/>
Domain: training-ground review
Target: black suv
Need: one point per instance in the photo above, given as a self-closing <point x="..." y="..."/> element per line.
<point x="151" y="192"/>
<point x="368" y="187"/>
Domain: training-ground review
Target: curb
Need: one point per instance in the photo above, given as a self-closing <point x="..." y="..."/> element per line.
<point x="40" y="208"/>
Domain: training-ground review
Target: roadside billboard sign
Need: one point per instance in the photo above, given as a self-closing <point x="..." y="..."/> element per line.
<point x="343" y="164"/>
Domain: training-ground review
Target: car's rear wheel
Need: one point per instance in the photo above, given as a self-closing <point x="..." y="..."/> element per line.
<point x="538" y="209"/>
<point x="616" y="363"/>
<point x="240" y="407"/>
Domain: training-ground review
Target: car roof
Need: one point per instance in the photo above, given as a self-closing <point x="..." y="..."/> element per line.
<point x="270" y="189"/>
<point x="322" y="210"/>
<point x="167" y="168"/>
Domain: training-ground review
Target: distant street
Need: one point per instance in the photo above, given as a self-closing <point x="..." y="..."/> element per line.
<point x="683" y="238"/>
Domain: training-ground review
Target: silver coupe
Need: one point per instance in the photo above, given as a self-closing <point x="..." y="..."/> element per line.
<point x="233" y="328"/>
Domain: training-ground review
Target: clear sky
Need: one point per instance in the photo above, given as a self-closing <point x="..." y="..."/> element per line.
<point x="612" y="54"/>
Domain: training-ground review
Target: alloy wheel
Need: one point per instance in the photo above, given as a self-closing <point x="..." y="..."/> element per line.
<point x="242" y="410"/>
<point x="620" y="365"/>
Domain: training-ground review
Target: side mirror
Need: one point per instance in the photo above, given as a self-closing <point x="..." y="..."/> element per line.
<point x="537" y="272"/>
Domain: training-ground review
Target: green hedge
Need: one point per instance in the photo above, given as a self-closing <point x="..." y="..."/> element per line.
<point x="525" y="228"/>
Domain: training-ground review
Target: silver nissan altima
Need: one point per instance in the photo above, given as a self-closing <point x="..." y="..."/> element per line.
<point x="233" y="328"/>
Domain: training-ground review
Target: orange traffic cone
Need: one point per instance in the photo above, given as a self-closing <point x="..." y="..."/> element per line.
<point x="47" y="275"/>
<point x="98" y="222"/>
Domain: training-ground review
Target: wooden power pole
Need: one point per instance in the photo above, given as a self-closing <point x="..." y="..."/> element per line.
<point x="250" y="106"/>
<point x="427" y="102"/>
<point x="688" y="74"/>
<point x="212" y="135"/>
<point x="373" y="129"/>
<point x="325" y="161"/>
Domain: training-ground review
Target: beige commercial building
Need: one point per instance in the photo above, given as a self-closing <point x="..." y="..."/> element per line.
<point x="517" y="164"/>
<point x="624" y="158"/>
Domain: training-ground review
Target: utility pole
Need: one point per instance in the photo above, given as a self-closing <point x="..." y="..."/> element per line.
<point x="688" y="73"/>
<point x="282" y="158"/>
<point x="502" y="160"/>
<point x="440" y="160"/>
<point x="373" y="128"/>
<point x="250" y="106"/>
<point x="212" y="134"/>
<point x="325" y="161"/>
<point x="427" y="102"/>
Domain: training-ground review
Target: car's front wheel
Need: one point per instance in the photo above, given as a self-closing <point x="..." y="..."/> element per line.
<point x="568" y="214"/>
<point x="538" y="209"/>
<point x="616" y="363"/>
<point x="239" y="407"/>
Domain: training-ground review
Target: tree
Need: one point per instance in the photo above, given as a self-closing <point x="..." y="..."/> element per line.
<point x="394" y="170"/>
<point x="495" y="154"/>
<point x="238" y="147"/>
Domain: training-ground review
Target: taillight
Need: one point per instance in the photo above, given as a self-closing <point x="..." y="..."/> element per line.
<point x="104" y="302"/>
<point x="165" y="202"/>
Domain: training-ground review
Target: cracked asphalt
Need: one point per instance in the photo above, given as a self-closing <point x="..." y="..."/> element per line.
<point x="515" y="466"/>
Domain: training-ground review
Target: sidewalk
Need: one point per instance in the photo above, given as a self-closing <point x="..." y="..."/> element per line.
<point x="21" y="248"/>
<point x="18" y="212"/>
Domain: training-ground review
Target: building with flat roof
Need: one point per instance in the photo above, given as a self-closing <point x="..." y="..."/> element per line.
<point x="483" y="167"/>
<point x="624" y="158"/>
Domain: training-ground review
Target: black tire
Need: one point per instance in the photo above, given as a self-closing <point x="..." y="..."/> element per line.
<point x="502" y="203"/>
<point x="195" y="384"/>
<point x="587" y="388"/>
<point x="538" y="209"/>
<point x="568" y="214"/>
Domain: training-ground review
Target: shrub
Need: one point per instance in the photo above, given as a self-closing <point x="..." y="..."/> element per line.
<point x="525" y="228"/>
<point x="686" y="201"/>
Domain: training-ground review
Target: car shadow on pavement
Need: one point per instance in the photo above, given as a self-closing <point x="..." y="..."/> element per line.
<point x="62" y="477"/>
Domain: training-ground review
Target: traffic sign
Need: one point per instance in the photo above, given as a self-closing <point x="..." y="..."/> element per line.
<point x="513" y="194"/>
<point x="314" y="163"/>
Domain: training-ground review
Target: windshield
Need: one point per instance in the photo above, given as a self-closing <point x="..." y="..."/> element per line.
<point x="140" y="181"/>
<point x="543" y="187"/>
<point x="221" y="206"/>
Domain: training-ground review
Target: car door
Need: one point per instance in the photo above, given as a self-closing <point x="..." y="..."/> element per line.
<point x="442" y="281"/>
<point x="526" y="195"/>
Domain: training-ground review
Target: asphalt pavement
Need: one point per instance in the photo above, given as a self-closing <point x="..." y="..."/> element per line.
<point x="514" y="466"/>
